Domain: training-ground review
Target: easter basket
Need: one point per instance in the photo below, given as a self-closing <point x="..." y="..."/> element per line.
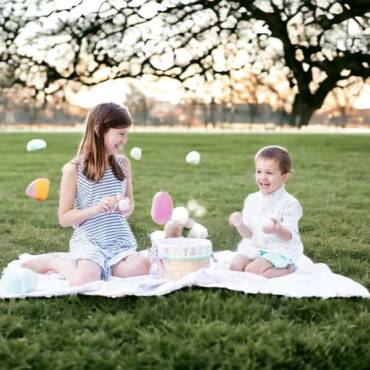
<point x="178" y="257"/>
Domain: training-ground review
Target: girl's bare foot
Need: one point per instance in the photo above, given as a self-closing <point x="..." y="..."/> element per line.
<point x="40" y="265"/>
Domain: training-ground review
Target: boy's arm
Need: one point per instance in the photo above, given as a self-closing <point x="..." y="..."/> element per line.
<point x="277" y="229"/>
<point x="287" y="227"/>
<point x="236" y="220"/>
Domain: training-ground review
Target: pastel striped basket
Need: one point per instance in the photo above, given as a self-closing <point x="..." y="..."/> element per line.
<point x="181" y="256"/>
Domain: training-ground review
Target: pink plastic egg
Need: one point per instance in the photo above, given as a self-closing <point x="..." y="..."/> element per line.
<point x="161" y="208"/>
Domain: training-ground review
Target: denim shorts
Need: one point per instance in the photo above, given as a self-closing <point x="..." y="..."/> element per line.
<point x="106" y="259"/>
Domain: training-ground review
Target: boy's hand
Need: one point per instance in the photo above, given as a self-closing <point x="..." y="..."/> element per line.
<point x="236" y="219"/>
<point x="272" y="228"/>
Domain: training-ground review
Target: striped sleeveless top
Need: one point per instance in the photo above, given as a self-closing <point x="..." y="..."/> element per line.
<point x="108" y="232"/>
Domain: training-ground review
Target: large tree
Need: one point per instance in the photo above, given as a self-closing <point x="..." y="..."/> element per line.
<point x="317" y="45"/>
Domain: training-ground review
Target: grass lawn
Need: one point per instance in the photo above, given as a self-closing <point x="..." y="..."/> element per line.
<point x="194" y="328"/>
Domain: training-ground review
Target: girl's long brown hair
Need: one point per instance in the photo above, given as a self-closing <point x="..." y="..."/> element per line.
<point x="92" y="150"/>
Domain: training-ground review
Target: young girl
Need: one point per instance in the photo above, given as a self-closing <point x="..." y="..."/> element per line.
<point x="269" y="221"/>
<point x="102" y="243"/>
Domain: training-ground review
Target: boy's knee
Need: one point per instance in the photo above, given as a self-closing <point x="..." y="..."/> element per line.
<point x="238" y="263"/>
<point x="253" y="269"/>
<point x="235" y="266"/>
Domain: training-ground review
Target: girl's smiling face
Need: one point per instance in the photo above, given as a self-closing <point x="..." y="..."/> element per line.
<point x="268" y="175"/>
<point x="115" y="139"/>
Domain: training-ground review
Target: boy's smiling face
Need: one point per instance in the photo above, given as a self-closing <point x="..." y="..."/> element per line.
<point x="268" y="175"/>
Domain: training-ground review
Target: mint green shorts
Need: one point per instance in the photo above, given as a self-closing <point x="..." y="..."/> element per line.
<point x="277" y="260"/>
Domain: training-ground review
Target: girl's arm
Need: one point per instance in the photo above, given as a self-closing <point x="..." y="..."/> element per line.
<point x="68" y="215"/>
<point x="129" y="187"/>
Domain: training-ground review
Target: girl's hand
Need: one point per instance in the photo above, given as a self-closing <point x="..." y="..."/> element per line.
<point x="107" y="204"/>
<point x="236" y="219"/>
<point x="125" y="207"/>
<point x="272" y="228"/>
<point x="128" y="211"/>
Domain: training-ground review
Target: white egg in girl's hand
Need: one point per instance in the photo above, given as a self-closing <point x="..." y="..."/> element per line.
<point x="136" y="153"/>
<point x="124" y="204"/>
<point x="193" y="158"/>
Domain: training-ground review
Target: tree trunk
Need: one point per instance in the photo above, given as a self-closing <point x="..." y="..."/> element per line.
<point x="232" y="114"/>
<point x="253" y="112"/>
<point x="212" y="113"/>
<point x="205" y="114"/>
<point x="191" y="108"/>
<point x="302" y="111"/>
<point x="33" y="113"/>
<point x="144" y="106"/>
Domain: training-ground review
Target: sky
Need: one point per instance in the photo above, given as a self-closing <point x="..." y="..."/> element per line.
<point x="116" y="91"/>
<point x="363" y="101"/>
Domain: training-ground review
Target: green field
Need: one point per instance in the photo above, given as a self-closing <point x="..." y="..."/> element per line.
<point x="194" y="328"/>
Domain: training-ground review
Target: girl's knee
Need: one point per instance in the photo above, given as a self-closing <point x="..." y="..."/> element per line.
<point x="142" y="265"/>
<point x="85" y="277"/>
<point x="133" y="265"/>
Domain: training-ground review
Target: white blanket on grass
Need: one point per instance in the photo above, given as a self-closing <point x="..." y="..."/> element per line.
<point x="309" y="280"/>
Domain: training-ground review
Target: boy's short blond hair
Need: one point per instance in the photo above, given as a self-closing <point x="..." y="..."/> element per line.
<point x="279" y="154"/>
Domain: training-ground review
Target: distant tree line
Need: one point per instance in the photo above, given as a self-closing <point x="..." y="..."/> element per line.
<point x="148" y="111"/>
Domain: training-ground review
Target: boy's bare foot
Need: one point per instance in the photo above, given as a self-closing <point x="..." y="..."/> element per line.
<point x="290" y="269"/>
<point x="275" y="272"/>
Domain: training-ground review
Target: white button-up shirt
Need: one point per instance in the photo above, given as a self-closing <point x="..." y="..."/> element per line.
<point x="258" y="211"/>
